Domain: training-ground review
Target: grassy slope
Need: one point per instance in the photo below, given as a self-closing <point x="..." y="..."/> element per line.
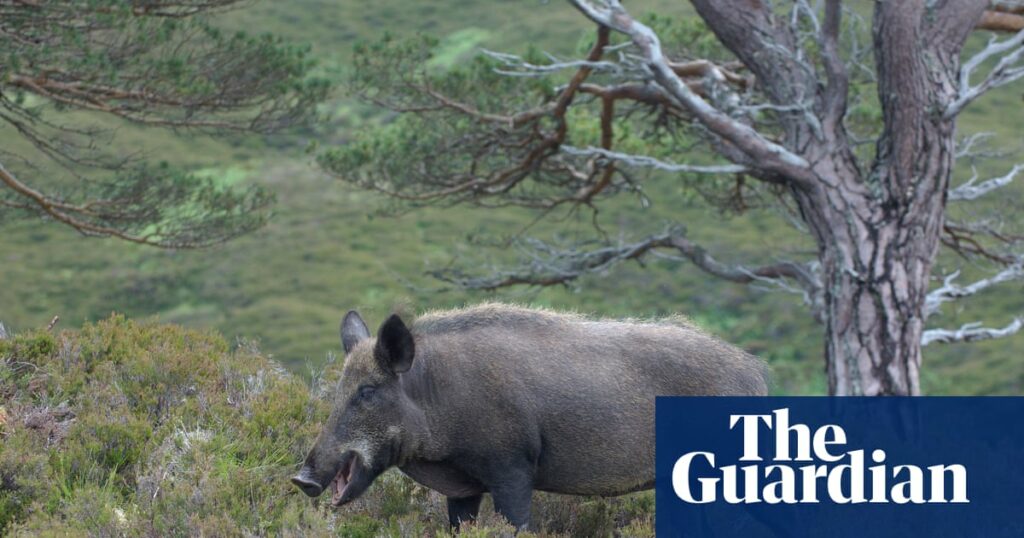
<point x="325" y="253"/>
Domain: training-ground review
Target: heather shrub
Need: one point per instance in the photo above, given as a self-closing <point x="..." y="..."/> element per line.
<point x="141" y="429"/>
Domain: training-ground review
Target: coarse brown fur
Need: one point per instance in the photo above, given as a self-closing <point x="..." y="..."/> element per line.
<point x="507" y="399"/>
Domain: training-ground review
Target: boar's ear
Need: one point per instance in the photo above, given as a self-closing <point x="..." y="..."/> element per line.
<point x="395" y="348"/>
<point x="353" y="331"/>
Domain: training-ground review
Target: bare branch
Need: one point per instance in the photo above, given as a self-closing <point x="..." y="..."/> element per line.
<point x="739" y="273"/>
<point x="644" y="161"/>
<point x="694" y="70"/>
<point x="965" y="146"/>
<point x="767" y="154"/>
<point x="548" y="265"/>
<point x="951" y="291"/>
<point x="965" y="241"/>
<point x="517" y="66"/>
<point x="805" y="274"/>
<point x="972" y="190"/>
<point x="971" y="332"/>
<point x="704" y="68"/>
<point x="1006" y="70"/>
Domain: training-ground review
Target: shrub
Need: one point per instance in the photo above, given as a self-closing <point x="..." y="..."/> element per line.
<point x="133" y="429"/>
<point x="32" y="348"/>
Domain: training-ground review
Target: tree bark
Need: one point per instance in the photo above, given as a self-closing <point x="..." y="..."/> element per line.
<point x="878" y="234"/>
<point x="878" y="231"/>
<point x="875" y="259"/>
<point x="877" y="240"/>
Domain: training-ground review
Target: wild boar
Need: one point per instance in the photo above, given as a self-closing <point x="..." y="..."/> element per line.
<point x="506" y="400"/>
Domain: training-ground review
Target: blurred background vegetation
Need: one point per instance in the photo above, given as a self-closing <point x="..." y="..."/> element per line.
<point x="327" y="249"/>
<point x="135" y="426"/>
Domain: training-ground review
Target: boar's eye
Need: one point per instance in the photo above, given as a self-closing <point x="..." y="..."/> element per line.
<point x="366" y="391"/>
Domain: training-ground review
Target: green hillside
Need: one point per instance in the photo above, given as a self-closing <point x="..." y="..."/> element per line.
<point x="326" y="250"/>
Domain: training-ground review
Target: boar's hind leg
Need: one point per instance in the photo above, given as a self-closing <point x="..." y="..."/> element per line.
<point x="512" y="499"/>
<point x="464" y="509"/>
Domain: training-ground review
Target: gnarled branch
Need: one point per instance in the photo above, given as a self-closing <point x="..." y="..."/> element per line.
<point x="768" y="155"/>
<point x="549" y="265"/>
<point x="950" y="291"/>
<point x="972" y="190"/>
<point x="644" y="161"/>
<point x="970" y="332"/>
<point x="1008" y="69"/>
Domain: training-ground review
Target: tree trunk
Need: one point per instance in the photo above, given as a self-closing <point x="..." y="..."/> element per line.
<point x="878" y="234"/>
<point x="877" y="239"/>
<point x="876" y="269"/>
<point x="873" y="333"/>
<point x="878" y="230"/>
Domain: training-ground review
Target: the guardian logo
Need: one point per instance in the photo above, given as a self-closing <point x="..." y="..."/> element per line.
<point x="808" y="466"/>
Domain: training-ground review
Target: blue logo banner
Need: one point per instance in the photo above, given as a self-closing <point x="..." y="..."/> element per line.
<point x="839" y="467"/>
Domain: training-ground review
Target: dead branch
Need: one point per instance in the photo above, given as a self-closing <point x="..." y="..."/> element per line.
<point x="548" y="265"/>
<point x="644" y="161"/>
<point x="1008" y="69"/>
<point x="970" y="332"/>
<point x="950" y="291"/>
<point x="972" y="190"/>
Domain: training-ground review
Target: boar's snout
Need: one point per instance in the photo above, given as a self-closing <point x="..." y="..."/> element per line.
<point x="305" y="481"/>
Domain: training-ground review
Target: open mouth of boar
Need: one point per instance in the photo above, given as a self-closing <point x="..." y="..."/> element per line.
<point x="346" y="475"/>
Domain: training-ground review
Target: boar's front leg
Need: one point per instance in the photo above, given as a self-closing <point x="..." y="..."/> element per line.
<point x="512" y="493"/>
<point x="463" y="509"/>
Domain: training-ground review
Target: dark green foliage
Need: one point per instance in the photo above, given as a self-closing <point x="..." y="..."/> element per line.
<point x="176" y="209"/>
<point x="419" y="153"/>
<point x="469" y="133"/>
<point x="161" y="64"/>
<point x="30" y="347"/>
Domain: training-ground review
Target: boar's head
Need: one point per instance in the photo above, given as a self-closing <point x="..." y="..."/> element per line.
<point x="371" y="419"/>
